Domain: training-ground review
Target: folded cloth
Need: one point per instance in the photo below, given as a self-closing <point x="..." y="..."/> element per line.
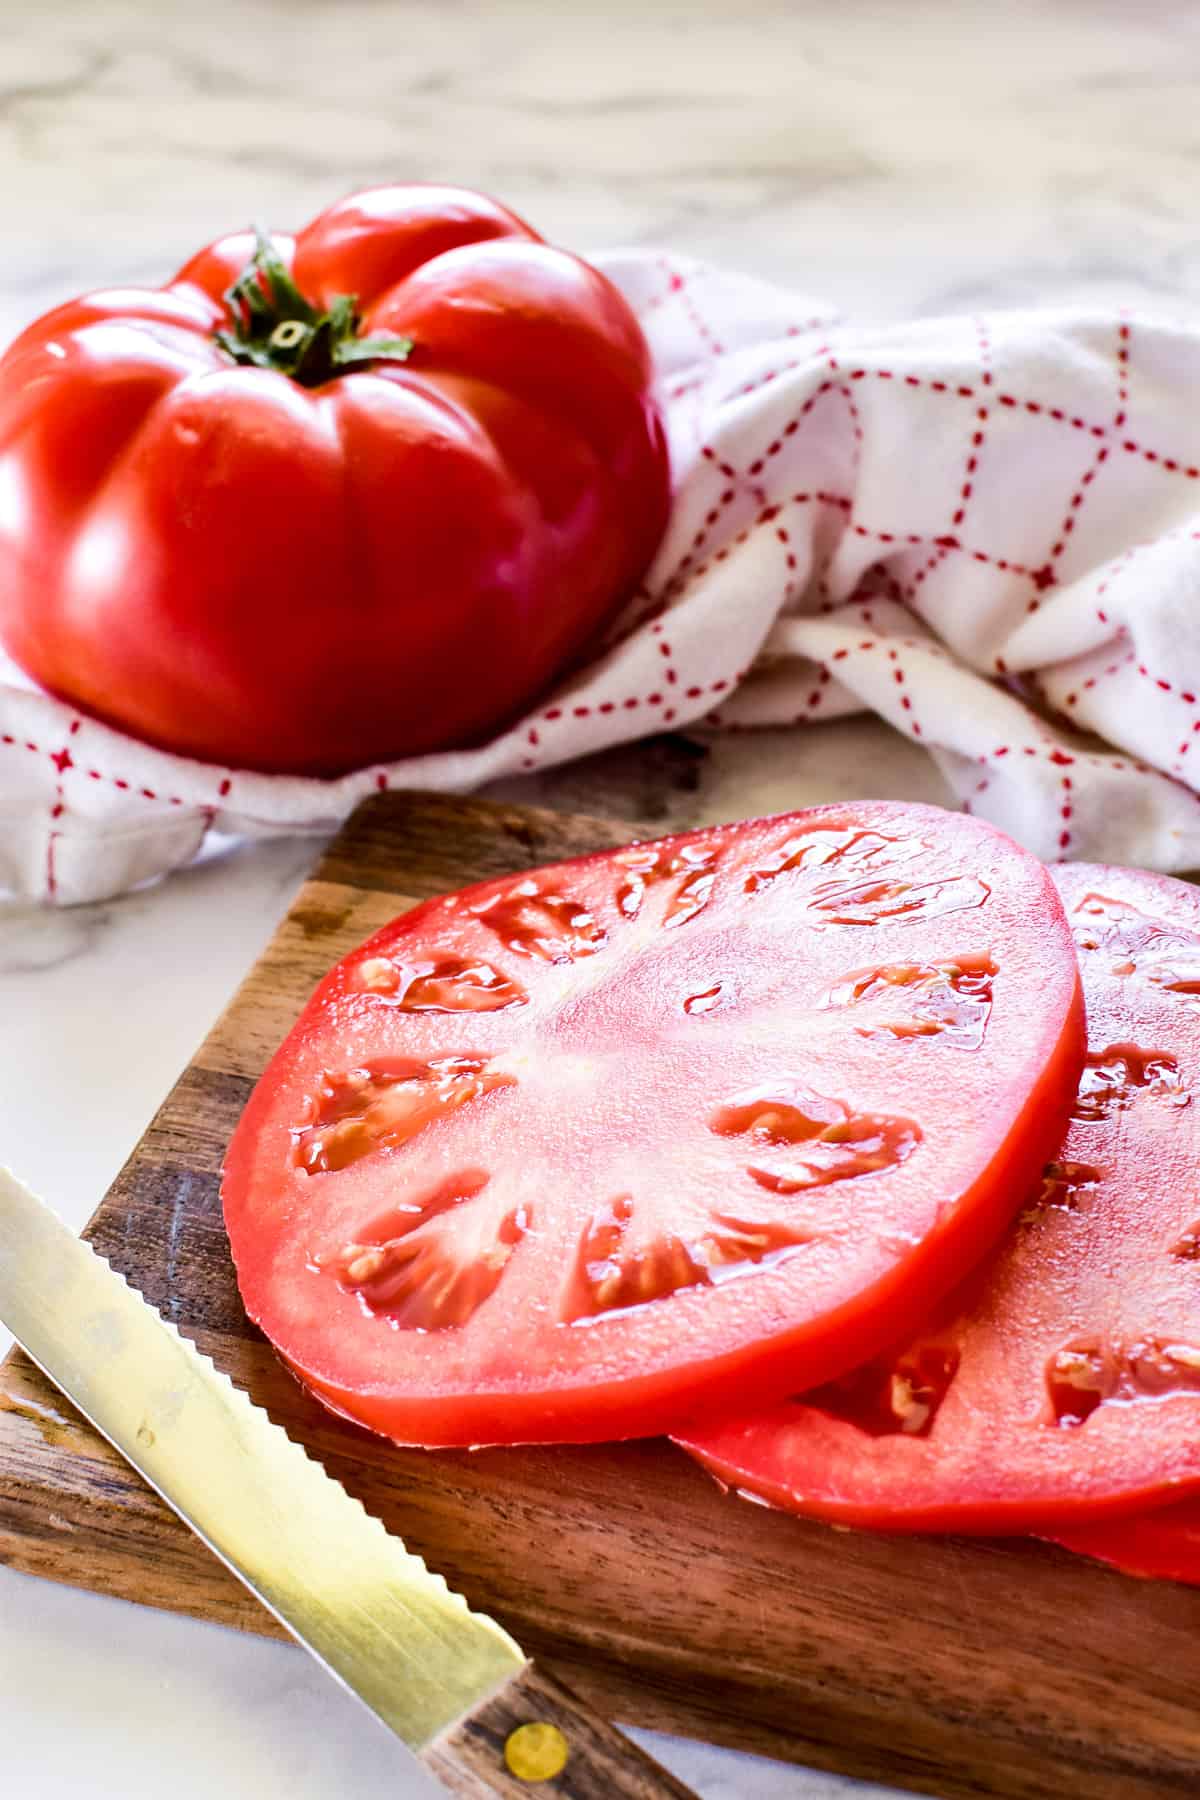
<point x="985" y="530"/>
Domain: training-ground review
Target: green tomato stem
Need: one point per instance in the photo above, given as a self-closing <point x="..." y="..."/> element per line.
<point x="273" y="326"/>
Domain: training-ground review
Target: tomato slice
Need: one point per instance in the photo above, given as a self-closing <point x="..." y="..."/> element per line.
<point x="1064" y="1379"/>
<point x="551" y="1157"/>
<point x="1160" y="1545"/>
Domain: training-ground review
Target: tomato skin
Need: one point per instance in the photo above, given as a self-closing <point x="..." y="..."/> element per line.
<point x="604" y="1104"/>
<point x="1162" y="1545"/>
<point x="248" y="571"/>
<point x="1072" y="1363"/>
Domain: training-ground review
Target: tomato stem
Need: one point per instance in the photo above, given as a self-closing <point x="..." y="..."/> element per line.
<point x="273" y="326"/>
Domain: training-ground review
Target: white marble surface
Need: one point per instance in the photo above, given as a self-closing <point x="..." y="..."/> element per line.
<point x="900" y="159"/>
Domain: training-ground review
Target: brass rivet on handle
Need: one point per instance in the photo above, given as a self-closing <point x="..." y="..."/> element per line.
<point x="536" y="1752"/>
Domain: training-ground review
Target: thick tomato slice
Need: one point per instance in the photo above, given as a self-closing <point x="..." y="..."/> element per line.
<point x="1160" y="1545"/>
<point x="1064" y="1379"/>
<point x="552" y="1157"/>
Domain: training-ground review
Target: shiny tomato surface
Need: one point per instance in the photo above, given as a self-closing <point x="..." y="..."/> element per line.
<point x="556" y="1156"/>
<point x="1162" y="1545"/>
<point x="1064" y="1380"/>
<point x="223" y="530"/>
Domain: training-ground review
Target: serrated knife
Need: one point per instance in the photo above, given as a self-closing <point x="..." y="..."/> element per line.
<point x="448" y="1681"/>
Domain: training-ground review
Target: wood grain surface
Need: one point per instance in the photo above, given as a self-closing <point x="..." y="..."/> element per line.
<point x="953" y="1667"/>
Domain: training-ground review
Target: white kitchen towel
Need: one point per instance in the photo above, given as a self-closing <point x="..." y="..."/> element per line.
<point x="986" y="530"/>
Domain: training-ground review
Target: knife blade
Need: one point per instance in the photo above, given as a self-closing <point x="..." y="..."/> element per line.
<point x="448" y="1681"/>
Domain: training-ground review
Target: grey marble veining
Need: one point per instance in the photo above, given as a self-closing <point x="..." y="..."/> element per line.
<point x="897" y="159"/>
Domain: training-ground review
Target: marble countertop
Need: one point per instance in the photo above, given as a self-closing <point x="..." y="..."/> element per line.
<point x="900" y="160"/>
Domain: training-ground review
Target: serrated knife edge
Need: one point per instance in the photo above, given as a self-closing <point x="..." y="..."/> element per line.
<point x="389" y="1629"/>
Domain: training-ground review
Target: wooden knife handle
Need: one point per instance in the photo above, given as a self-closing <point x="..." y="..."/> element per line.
<point x="535" y="1740"/>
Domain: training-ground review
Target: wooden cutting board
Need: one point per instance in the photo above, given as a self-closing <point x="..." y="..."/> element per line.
<point x="954" y="1667"/>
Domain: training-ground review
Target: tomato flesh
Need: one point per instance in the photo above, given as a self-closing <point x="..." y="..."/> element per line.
<point x="552" y="1157"/>
<point x="1063" y="1380"/>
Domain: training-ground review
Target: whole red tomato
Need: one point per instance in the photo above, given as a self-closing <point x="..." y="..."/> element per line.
<point x="331" y="500"/>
